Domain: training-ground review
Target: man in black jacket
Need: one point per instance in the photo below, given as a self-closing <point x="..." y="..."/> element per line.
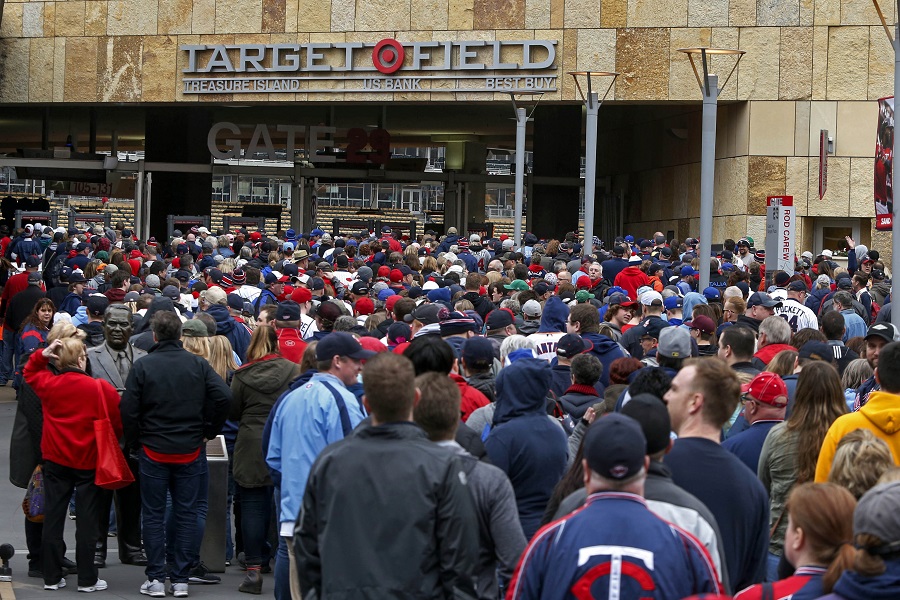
<point x="409" y="530"/>
<point x="173" y="403"/>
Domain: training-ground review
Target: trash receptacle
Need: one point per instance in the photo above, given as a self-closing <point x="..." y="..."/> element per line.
<point x="212" y="549"/>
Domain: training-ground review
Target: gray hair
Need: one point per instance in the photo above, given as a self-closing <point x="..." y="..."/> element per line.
<point x="513" y="343"/>
<point x="776" y="329"/>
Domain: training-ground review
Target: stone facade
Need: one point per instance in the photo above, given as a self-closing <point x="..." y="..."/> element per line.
<point x="810" y="65"/>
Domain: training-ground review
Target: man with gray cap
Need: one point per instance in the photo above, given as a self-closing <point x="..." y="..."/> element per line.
<point x="531" y="315"/>
<point x="759" y="307"/>
<point x="623" y="550"/>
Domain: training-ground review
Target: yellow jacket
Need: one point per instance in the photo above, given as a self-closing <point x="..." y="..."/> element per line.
<point x="880" y="415"/>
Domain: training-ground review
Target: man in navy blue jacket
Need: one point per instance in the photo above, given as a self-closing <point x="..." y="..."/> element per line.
<point x="523" y="442"/>
<point x="701" y="399"/>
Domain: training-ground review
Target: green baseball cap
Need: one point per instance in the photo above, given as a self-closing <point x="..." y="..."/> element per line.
<point x="517" y="285"/>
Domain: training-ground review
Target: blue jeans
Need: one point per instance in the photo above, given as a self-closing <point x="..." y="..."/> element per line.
<point x="282" y="562"/>
<point x="6" y="356"/>
<point x="772" y="561"/>
<point x="183" y="483"/>
<point x="256" y="514"/>
<point x="201" y="506"/>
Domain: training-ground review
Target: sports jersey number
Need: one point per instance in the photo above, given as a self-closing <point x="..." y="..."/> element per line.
<point x="792" y="321"/>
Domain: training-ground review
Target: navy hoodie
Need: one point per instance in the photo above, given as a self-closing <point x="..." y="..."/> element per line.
<point x="236" y="333"/>
<point x="606" y="350"/>
<point x="555" y="315"/>
<point x="523" y="442"/>
<point x="852" y="586"/>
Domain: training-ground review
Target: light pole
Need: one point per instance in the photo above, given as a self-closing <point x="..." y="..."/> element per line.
<point x="522" y="117"/>
<point x="709" y="87"/>
<point x="592" y="102"/>
<point x="895" y="239"/>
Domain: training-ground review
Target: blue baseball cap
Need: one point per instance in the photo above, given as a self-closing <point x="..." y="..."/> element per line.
<point x="672" y="302"/>
<point x="341" y="343"/>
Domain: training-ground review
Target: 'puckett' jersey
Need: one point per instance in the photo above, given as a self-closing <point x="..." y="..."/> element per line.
<point x="797" y="315"/>
<point x="612" y="549"/>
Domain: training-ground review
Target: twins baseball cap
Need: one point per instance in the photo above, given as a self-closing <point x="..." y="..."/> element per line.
<point x="767" y="388"/>
<point x="571" y="345"/>
<point x="341" y="343"/>
<point x="615" y="447"/>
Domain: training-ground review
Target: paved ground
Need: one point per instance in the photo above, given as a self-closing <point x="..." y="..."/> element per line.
<point x="124" y="580"/>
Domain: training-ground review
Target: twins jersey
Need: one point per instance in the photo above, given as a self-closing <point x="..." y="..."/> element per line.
<point x="797" y="315"/>
<point x="545" y="344"/>
<point x="612" y="549"/>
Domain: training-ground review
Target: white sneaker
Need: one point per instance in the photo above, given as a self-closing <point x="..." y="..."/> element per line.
<point x="100" y="585"/>
<point x="154" y="589"/>
<point x="56" y="586"/>
<point x="180" y="590"/>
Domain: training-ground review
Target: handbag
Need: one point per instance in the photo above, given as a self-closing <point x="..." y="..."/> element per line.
<point x="112" y="472"/>
<point x="33" y="504"/>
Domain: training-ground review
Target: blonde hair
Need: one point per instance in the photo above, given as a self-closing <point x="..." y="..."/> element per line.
<point x="783" y="362"/>
<point x="493" y="277"/>
<point x="221" y="356"/>
<point x="196" y="345"/>
<point x="860" y="459"/>
<point x="264" y="341"/>
<point x="71" y="350"/>
<point x="63" y="330"/>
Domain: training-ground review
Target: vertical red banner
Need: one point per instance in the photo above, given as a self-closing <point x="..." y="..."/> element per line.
<point x="884" y="148"/>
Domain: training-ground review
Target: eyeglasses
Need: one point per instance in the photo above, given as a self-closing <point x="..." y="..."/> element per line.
<point x="745" y="398"/>
<point x="728" y="310"/>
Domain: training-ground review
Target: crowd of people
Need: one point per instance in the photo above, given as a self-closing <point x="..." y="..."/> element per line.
<point x="453" y="416"/>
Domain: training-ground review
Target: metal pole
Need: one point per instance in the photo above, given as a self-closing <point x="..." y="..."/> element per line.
<point x="148" y="200"/>
<point x="707" y="176"/>
<point x="521" y="124"/>
<point x="590" y="171"/>
<point x="895" y="239"/>
<point x="139" y="225"/>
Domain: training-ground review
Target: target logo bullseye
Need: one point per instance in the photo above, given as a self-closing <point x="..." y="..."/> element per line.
<point x="387" y="56"/>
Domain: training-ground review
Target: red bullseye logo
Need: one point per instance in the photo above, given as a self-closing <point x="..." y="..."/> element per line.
<point x="387" y="56"/>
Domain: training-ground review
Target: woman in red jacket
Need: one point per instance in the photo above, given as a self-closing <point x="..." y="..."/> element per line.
<point x="70" y="403"/>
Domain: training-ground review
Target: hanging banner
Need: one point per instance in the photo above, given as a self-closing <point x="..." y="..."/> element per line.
<point x="884" y="148"/>
<point x="781" y="219"/>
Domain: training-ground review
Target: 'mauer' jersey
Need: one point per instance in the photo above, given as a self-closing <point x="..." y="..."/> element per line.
<point x="797" y="315"/>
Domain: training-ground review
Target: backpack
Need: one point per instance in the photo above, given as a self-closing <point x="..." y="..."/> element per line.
<point x="875" y="309"/>
<point x="53" y="268"/>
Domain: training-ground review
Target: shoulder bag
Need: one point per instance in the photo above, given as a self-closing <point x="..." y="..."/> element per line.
<point x="112" y="472"/>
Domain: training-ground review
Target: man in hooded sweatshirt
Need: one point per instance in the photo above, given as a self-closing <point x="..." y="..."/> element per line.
<point x="585" y="321"/>
<point x="631" y="277"/>
<point x="880" y="415"/>
<point x="237" y="333"/>
<point x="527" y="446"/>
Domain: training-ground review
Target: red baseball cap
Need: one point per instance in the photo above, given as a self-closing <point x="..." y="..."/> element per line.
<point x="767" y="388"/>
<point x="301" y="295"/>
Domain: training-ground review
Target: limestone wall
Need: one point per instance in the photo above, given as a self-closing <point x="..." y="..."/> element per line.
<point x="127" y="50"/>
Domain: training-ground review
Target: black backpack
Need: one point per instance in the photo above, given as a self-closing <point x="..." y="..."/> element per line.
<point x="53" y="268"/>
